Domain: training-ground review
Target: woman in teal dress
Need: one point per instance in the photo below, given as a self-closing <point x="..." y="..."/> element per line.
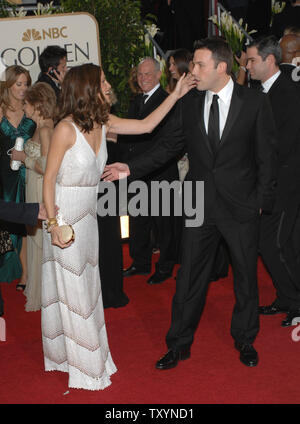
<point x="13" y="124"/>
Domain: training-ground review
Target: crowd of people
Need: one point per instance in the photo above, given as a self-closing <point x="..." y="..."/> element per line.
<point x="240" y="137"/>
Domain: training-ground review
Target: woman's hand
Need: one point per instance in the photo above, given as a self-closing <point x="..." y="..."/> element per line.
<point x="184" y="85"/>
<point x="242" y="60"/>
<point x="57" y="239"/>
<point x="17" y="155"/>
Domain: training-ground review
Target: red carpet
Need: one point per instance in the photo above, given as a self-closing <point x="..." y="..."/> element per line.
<point x="213" y="375"/>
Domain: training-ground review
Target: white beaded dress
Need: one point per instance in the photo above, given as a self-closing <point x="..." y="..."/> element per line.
<point x="73" y="327"/>
<point x="34" y="193"/>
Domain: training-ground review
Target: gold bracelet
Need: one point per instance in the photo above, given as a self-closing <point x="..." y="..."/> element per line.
<point x="50" y="222"/>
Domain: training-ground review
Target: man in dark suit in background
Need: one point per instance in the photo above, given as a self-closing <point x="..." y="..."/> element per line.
<point x="290" y="48"/>
<point x="148" y="76"/>
<point x="279" y="232"/>
<point x="53" y="65"/>
<point x="230" y="136"/>
<point x="21" y="213"/>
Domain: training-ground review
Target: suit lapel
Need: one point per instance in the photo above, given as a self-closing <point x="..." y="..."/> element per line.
<point x="235" y="106"/>
<point x="152" y="103"/>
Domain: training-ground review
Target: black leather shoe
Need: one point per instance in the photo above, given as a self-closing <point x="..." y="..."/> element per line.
<point x="272" y="309"/>
<point x="217" y="277"/>
<point x="288" y="321"/>
<point x="132" y="270"/>
<point x="158" y="277"/>
<point x="171" y="358"/>
<point x="248" y="355"/>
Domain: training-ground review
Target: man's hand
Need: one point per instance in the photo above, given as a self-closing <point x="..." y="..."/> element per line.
<point x="43" y="213"/>
<point x="59" y="76"/>
<point x="115" y="171"/>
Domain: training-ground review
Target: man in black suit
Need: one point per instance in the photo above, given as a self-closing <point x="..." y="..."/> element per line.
<point x="290" y="48"/>
<point x="53" y="65"/>
<point x="279" y="232"/>
<point x="22" y="213"/>
<point x="230" y="140"/>
<point x="148" y="77"/>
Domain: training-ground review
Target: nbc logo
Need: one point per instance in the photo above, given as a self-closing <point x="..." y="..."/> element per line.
<point x="44" y="34"/>
<point x="31" y="34"/>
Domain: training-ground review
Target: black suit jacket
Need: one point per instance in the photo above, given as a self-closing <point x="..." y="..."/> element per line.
<point x="243" y="171"/>
<point x="135" y="145"/>
<point x="21" y="213"/>
<point x="45" y="78"/>
<point x="289" y="71"/>
<point x="285" y="102"/>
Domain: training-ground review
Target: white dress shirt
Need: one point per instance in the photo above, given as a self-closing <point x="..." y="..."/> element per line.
<point x="268" y="84"/>
<point x="149" y="94"/>
<point x="224" y="103"/>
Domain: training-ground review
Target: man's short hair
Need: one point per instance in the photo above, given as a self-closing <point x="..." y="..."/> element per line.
<point x="266" y="46"/>
<point x="51" y="57"/>
<point x="292" y="29"/>
<point x="151" y="59"/>
<point x="220" y="49"/>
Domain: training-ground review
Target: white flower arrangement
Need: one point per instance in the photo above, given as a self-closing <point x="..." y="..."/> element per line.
<point x="277" y="6"/>
<point x="18" y="13"/>
<point x="231" y="31"/>
<point x="46" y="9"/>
<point x="152" y="29"/>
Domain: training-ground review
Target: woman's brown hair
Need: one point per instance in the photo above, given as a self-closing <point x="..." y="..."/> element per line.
<point x="82" y="98"/>
<point x="12" y="73"/>
<point x="42" y="97"/>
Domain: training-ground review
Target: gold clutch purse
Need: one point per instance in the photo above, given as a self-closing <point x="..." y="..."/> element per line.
<point x="67" y="233"/>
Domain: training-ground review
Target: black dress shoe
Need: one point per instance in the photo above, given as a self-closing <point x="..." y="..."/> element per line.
<point x="132" y="270"/>
<point x="217" y="277"/>
<point x="272" y="309"/>
<point x="171" y="358"/>
<point x="248" y="355"/>
<point x="288" y="321"/>
<point x="158" y="277"/>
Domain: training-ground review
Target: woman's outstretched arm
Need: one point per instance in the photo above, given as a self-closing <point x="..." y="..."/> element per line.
<point x="146" y="125"/>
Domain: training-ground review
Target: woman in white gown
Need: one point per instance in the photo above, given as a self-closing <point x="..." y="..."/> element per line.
<point x="73" y="327"/>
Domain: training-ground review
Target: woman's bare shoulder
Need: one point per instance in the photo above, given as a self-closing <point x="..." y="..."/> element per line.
<point x="65" y="132"/>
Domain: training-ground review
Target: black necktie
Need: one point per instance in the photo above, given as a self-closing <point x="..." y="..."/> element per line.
<point x="142" y="101"/>
<point x="261" y="88"/>
<point x="214" y="124"/>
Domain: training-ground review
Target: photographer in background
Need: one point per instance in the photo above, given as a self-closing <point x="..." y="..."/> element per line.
<point x="53" y="64"/>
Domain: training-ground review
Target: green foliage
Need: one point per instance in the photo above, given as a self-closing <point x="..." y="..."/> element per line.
<point x="121" y="40"/>
<point x="3" y="5"/>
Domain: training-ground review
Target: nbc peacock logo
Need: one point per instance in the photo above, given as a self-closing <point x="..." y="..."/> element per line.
<point x="31" y="34"/>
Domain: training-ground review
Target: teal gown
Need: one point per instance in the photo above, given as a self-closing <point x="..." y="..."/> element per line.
<point x="12" y="187"/>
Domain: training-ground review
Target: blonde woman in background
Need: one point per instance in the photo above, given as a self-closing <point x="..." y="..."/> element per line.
<point x="40" y="103"/>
